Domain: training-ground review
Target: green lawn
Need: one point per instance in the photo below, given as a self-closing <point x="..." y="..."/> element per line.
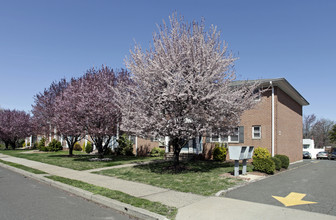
<point x="199" y="177"/>
<point x="22" y="167"/>
<point x="80" y="161"/>
<point x="156" y="207"/>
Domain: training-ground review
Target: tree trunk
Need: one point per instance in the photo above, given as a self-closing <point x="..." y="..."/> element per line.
<point x="6" y="145"/>
<point x="99" y="145"/>
<point x="176" y="143"/>
<point x="70" y="151"/>
<point x="13" y="144"/>
<point x="70" y="145"/>
<point x="176" y="156"/>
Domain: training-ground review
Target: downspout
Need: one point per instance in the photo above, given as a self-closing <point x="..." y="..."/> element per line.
<point x="273" y="119"/>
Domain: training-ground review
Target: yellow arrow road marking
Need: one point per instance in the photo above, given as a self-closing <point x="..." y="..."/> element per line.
<point x="293" y="199"/>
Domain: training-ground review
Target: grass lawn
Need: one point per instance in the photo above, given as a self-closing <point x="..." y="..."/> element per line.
<point x="199" y="177"/>
<point x="80" y="160"/>
<point x="156" y="207"/>
<point x="22" y="167"/>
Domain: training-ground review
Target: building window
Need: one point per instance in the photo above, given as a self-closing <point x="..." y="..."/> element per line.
<point x="256" y="132"/>
<point x="306" y="146"/>
<point x="257" y="95"/>
<point x="234" y="138"/>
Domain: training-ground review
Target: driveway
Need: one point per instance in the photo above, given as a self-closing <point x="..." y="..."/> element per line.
<point x="309" y="186"/>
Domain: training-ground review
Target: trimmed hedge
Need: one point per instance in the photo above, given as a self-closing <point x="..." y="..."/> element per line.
<point x="77" y="147"/>
<point x="261" y="153"/>
<point x="219" y="153"/>
<point x="277" y="162"/>
<point x="284" y="160"/>
<point x="265" y="165"/>
<point x="157" y="152"/>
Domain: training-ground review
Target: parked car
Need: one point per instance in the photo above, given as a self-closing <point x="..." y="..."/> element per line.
<point x="332" y="156"/>
<point x="322" y="155"/>
<point x="306" y="155"/>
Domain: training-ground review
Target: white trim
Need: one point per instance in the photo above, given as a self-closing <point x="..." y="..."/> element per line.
<point x="167" y="144"/>
<point x="228" y="138"/>
<point x="253" y="132"/>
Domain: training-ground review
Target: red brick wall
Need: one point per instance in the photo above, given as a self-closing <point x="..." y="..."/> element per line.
<point x="145" y="146"/>
<point x="288" y="127"/>
<point x="261" y="115"/>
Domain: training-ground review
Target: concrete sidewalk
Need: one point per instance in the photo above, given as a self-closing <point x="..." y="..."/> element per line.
<point x="190" y="206"/>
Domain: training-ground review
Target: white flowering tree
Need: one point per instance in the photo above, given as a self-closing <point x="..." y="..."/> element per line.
<point x="181" y="87"/>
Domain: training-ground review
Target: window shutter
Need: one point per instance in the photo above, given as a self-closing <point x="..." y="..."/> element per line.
<point x="241" y="134"/>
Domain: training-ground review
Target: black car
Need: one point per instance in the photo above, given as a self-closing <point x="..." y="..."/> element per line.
<point x="332" y="156"/>
<point x="306" y="155"/>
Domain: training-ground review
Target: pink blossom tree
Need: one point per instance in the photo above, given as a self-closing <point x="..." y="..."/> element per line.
<point x="43" y="108"/>
<point x="96" y="101"/>
<point x="14" y="125"/>
<point x="182" y="86"/>
<point x="68" y="115"/>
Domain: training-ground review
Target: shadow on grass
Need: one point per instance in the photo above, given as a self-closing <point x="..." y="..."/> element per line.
<point x="87" y="157"/>
<point x="184" y="167"/>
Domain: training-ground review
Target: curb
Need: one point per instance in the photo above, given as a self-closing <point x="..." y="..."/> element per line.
<point x="110" y="203"/>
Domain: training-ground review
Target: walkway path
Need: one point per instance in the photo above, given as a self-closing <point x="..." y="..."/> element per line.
<point x="153" y="193"/>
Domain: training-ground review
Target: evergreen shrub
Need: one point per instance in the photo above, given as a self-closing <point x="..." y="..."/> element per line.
<point x="41" y="144"/>
<point x="284" y="160"/>
<point x="261" y="153"/>
<point x="265" y="165"/>
<point x="219" y="152"/>
<point x="55" y="145"/>
<point x="157" y="152"/>
<point x="77" y="147"/>
<point x="277" y="163"/>
<point x="125" y="146"/>
<point x="88" y="147"/>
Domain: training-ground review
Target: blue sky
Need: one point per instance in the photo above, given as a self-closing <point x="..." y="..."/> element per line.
<point x="44" y="41"/>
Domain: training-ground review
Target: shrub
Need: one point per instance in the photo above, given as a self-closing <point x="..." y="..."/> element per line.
<point x="277" y="163"/>
<point x="77" y="147"/>
<point x="55" y="145"/>
<point x="43" y="148"/>
<point x="265" y="165"/>
<point x="41" y="144"/>
<point x="108" y="151"/>
<point x="219" y="153"/>
<point x="157" y="152"/>
<point x="261" y="153"/>
<point x="35" y="145"/>
<point x="284" y="160"/>
<point x="125" y="146"/>
<point x="162" y="152"/>
<point x="88" y="147"/>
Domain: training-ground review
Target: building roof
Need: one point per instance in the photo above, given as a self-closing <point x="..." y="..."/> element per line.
<point x="282" y="83"/>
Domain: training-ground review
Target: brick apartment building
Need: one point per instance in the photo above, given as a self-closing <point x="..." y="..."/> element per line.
<point x="274" y="123"/>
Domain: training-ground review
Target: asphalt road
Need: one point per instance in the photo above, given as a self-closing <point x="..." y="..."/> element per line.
<point x="315" y="178"/>
<point x="24" y="198"/>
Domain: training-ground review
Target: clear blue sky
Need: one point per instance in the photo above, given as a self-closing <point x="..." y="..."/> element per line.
<point x="43" y="41"/>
